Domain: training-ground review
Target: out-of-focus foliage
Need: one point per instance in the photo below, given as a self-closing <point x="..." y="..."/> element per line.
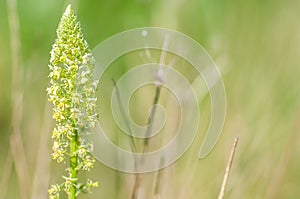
<point x="254" y="43"/>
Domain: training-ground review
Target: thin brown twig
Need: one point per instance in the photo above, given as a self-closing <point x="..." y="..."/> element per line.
<point x="228" y="167"/>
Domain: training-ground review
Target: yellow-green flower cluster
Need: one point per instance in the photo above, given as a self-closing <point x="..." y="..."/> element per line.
<point x="72" y="91"/>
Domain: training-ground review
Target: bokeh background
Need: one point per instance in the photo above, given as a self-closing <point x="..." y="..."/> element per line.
<point x="254" y="43"/>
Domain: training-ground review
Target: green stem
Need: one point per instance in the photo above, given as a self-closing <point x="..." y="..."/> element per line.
<point x="152" y="115"/>
<point x="137" y="181"/>
<point x="73" y="164"/>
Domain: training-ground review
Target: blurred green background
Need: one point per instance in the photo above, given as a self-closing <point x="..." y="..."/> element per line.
<point x="254" y="43"/>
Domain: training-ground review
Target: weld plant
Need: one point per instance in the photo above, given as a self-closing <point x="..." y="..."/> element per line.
<point x="72" y="92"/>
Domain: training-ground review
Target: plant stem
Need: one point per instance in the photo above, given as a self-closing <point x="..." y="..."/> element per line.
<point x="228" y="167"/>
<point x="73" y="164"/>
<point x="137" y="181"/>
<point x="122" y="110"/>
<point x="152" y="115"/>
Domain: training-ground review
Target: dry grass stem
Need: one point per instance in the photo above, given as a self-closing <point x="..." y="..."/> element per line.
<point x="228" y="167"/>
<point x="16" y="145"/>
<point x="43" y="162"/>
<point x="6" y="175"/>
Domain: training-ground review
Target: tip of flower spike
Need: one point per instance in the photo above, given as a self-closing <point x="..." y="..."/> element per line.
<point x="68" y="9"/>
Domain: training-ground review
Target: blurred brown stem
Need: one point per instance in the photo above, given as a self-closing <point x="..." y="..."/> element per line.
<point x="43" y="162"/>
<point x="152" y="115"/>
<point x="228" y="167"/>
<point x="137" y="181"/>
<point x="132" y="144"/>
<point x="16" y="145"/>
<point x="6" y="175"/>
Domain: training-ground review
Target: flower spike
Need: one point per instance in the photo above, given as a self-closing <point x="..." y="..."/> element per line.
<point x="72" y="92"/>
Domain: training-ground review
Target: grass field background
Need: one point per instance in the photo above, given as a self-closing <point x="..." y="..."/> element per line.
<point x="256" y="45"/>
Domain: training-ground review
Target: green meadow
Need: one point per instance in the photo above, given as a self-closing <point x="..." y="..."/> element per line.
<point x="256" y="46"/>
